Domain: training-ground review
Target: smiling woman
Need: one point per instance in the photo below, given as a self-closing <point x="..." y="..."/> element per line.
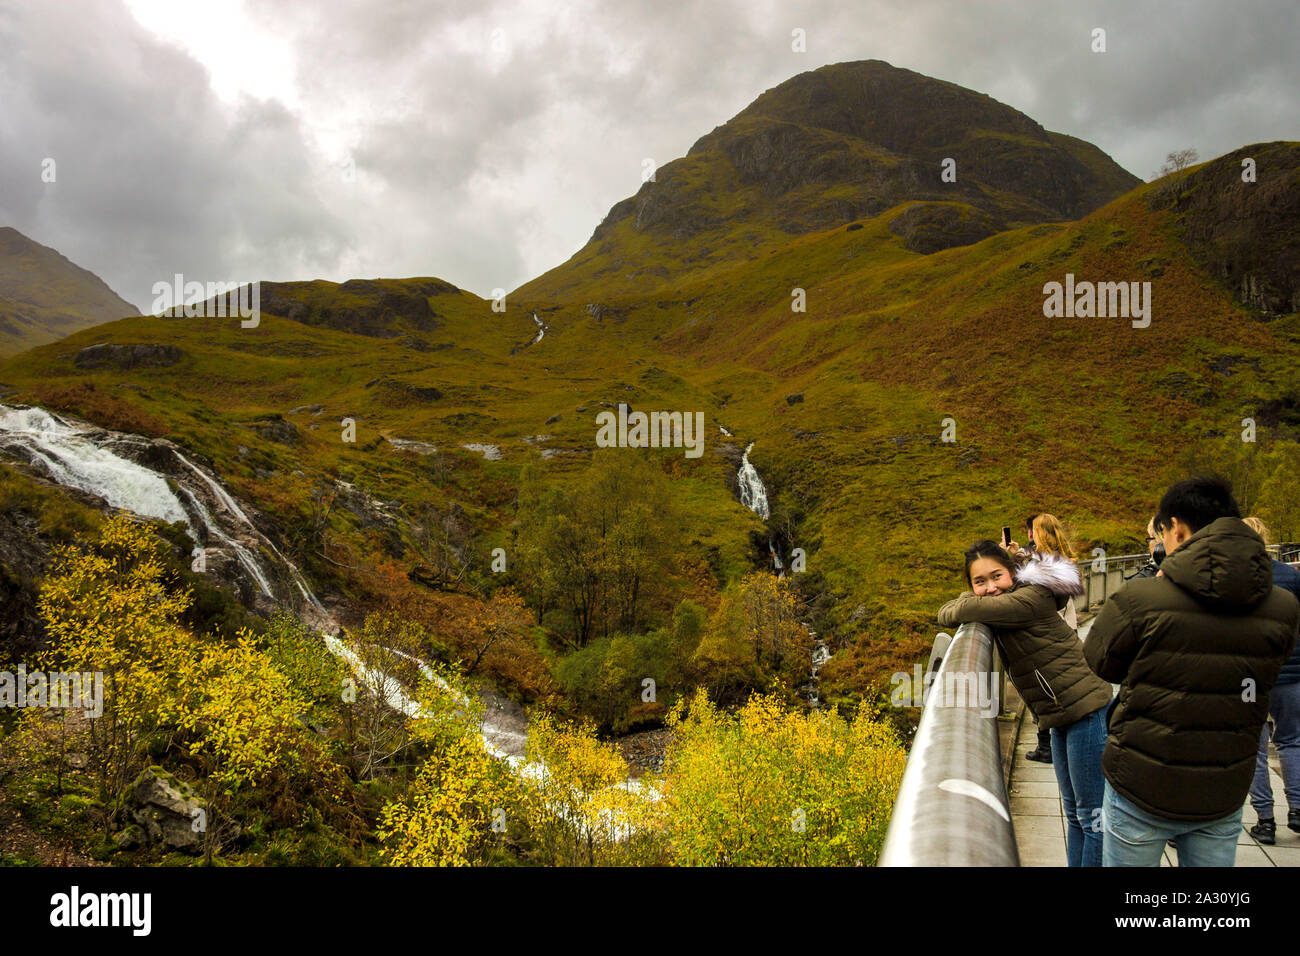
<point x="1044" y="660"/>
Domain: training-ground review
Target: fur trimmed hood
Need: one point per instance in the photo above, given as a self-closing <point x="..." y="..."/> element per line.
<point x="1055" y="572"/>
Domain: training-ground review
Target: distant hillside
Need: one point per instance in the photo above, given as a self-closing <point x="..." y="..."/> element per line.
<point x="828" y="147"/>
<point x="44" y="297"/>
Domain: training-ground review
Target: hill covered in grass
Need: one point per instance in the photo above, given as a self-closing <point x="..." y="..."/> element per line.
<point x="43" y="296"/>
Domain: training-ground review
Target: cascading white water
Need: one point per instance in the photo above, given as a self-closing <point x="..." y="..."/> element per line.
<point x="541" y="329"/>
<point x="753" y="494"/>
<point x="243" y="554"/>
<point x="73" y="459"/>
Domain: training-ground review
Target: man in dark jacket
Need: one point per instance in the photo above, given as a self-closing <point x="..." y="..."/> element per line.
<point x="1196" y="651"/>
<point x="1284" y="708"/>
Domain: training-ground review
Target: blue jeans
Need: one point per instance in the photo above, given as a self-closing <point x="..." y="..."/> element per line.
<point x="1076" y="758"/>
<point x="1136" y="838"/>
<point x="1284" y="707"/>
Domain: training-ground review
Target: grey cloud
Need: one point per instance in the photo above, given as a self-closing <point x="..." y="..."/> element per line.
<point x="487" y="178"/>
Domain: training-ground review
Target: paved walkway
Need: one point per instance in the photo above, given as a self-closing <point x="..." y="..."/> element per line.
<point x="1040" y="824"/>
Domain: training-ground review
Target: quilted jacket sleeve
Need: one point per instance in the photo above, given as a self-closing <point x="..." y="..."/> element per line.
<point x="1010" y="609"/>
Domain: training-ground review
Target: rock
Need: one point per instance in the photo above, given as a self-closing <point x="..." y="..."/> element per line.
<point x="106" y="355"/>
<point x="279" y="431"/>
<point x="553" y="419"/>
<point x="166" y="810"/>
<point x="314" y="409"/>
<point x="490" y="452"/>
<point x="419" y="447"/>
<point x="794" y="399"/>
<point x="129" y="838"/>
<point x="931" y="227"/>
<point x="402" y="394"/>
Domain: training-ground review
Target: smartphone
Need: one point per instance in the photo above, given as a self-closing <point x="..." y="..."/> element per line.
<point x="1006" y="535"/>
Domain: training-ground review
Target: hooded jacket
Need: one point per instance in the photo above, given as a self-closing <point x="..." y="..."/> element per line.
<point x="1196" y="653"/>
<point x="1042" y="654"/>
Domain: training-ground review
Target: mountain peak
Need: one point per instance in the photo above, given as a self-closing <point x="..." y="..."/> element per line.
<point x="826" y="147"/>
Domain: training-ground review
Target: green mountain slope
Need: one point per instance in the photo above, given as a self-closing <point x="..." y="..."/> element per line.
<point x="43" y="296"/>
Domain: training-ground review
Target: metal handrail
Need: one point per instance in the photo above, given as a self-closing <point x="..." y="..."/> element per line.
<point x="952" y="807"/>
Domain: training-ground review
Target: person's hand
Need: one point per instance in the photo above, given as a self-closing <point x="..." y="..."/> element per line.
<point x="1013" y="548"/>
<point x="1160" y="573"/>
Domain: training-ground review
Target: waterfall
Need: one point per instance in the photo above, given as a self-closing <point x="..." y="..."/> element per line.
<point x="74" y="455"/>
<point x="541" y="329"/>
<point x="753" y="494"/>
<point x="74" y="460"/>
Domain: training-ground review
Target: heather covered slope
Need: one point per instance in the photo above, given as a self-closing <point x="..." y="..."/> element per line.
<point x="827" y="147"/>
<point x="44" y="296"/>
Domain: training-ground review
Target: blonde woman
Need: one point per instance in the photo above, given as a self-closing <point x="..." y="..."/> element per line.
<point x="1050" y="537"/>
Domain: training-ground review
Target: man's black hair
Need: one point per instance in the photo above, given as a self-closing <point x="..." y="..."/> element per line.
<point x="1196" y="502"/>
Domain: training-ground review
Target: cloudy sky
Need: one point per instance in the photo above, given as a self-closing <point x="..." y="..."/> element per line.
<point x="482" y="141"/>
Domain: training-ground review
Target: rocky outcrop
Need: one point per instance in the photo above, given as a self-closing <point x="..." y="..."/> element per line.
<point x="378" y="308"/>
<point x="1243" y="233"/>
<point x="279" y="431"/>
<point x="124" y="357"/>
<point x="931" y="227"/>
<point x="403" y="394"/>
<point x="165" y="812"/>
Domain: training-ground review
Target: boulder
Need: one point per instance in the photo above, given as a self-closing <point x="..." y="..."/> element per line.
<point x="165" y="810"/>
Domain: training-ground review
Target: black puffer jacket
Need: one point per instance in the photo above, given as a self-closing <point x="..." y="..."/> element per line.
<point x="1196" y="653"/>
<point x="1041" y="653"/>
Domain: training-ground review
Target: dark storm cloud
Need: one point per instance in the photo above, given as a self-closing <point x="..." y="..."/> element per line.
<point x="486" y="166"/>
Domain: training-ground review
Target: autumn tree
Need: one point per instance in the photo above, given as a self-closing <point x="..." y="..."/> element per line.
<point x="495" y="623"/>
<point x="241" y="718"/>
<point x="107" y="608"/>
<point x="754" y="637"/>
<point x="386" y="656"/>
<point x="583" y="810"/>
<point x="600" y="550"/>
